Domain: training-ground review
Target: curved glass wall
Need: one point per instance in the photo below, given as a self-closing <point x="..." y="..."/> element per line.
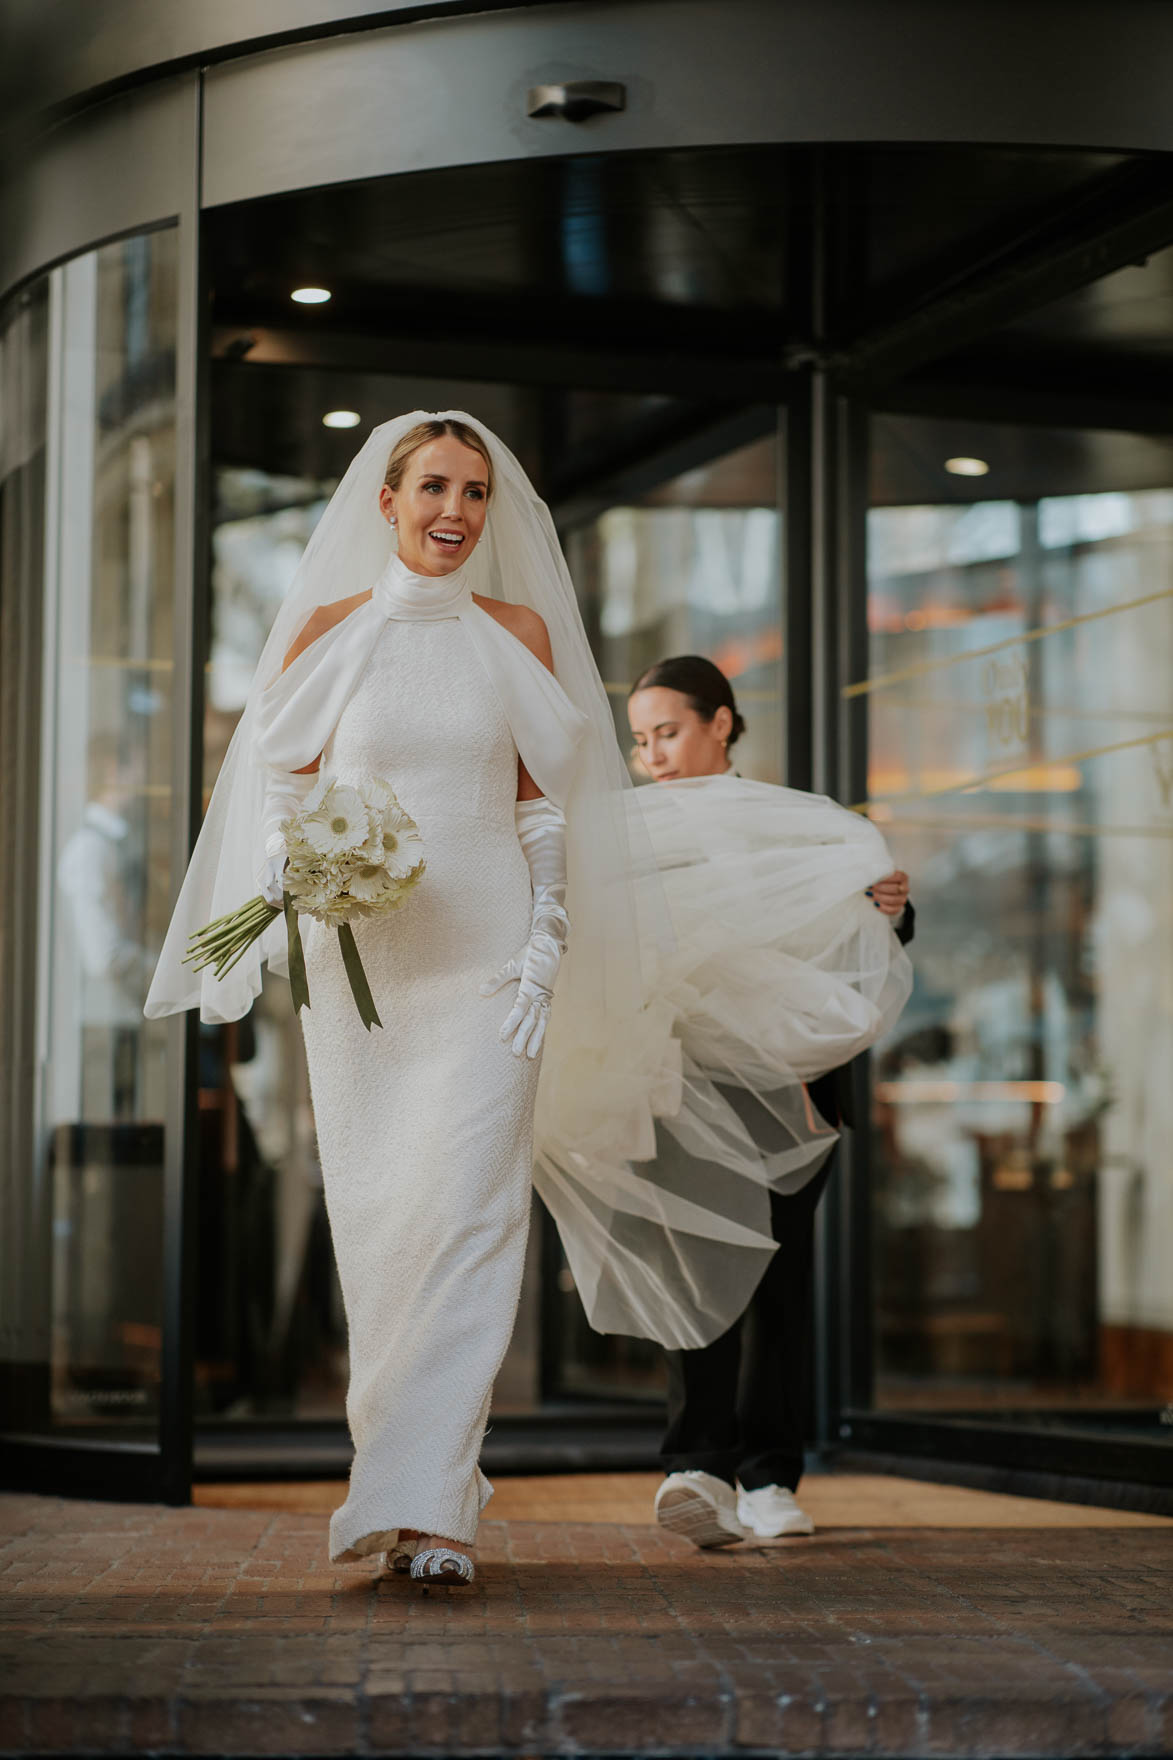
<point x="89" y="437"/>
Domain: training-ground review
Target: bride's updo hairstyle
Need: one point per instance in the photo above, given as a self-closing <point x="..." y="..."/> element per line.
<point x="696" y="678"/>
<point x="425" y="432"/>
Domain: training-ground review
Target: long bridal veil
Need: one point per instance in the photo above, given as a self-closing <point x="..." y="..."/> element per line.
<point x="780" y="969"/>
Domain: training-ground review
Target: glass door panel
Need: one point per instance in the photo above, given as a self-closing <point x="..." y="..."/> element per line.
<point x="1021" y="760"/>
<point x="270" y="1332"/>
<point x="694" y="566"/>
<point x="85" y="1253"/>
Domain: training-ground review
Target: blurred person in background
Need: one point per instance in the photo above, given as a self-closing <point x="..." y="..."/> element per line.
<point x="102" y="878"/>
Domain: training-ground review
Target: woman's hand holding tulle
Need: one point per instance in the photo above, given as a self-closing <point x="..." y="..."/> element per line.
<point x="890" y="895"/>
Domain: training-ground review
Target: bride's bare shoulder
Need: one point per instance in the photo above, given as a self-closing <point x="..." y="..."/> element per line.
<point x="324" y="618"/>
<point x="526" y="625"/>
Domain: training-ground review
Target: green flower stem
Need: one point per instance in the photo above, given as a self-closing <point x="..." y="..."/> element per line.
<point x="228" y="917"/>
<point x="225" y="927"/>
<point x="222" y="942"/>
<point x="226" y="965"/>
<point x="255" y="910"/>
<point x="242" y="935"/>
<point x="228" y="937"/>
<point x="212" y="937"/>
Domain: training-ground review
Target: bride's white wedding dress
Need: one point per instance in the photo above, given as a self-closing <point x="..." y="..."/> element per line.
<point x="425" y="1127"/>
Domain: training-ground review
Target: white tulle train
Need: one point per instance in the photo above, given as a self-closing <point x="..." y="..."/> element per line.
<point x="657" y="1151"/>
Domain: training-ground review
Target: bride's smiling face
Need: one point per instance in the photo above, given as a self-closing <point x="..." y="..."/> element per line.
<point x="672" y="740"/>
<point x="439" y="507"/>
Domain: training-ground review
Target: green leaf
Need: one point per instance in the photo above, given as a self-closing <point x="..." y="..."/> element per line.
<point x="299" y="986"/>
<point x="359" y="988"/>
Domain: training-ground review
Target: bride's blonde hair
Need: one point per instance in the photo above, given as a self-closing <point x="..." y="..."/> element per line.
<point x="435" y="429"/>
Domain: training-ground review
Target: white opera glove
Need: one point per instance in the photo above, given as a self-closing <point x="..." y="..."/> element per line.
<point x="541" y="831"/>
<point x="285" y="795"/>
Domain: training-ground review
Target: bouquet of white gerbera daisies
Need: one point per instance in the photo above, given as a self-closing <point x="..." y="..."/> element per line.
<point x="353" y="852"/>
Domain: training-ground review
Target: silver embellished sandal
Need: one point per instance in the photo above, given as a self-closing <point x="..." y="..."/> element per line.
<point x="441" y="1565"/>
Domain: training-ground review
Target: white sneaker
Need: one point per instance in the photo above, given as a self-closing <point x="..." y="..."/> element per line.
<point x="701" y="1507"/>
<point x="771" y="1512"/>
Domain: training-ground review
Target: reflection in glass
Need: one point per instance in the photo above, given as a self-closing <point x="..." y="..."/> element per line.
<point x="694" y="566"/>
<point x="270" y="1330"/>
<point x="103" y="885"/>
<point x="1021" y="747"/>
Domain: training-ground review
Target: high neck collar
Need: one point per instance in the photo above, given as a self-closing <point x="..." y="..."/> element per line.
<point x="420" y="598"/>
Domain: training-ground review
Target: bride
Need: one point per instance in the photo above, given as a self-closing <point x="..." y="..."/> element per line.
<point x="431" y="638"/>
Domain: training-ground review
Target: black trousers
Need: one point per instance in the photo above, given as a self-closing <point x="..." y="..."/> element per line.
<point x="737" y="1408"/>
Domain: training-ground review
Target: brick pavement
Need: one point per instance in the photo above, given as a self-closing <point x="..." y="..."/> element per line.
<point x="134" y="1629"/>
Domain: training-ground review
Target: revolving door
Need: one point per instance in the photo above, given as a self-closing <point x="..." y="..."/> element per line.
<point x="829" y="536"/>
<point x="871" y="410"/>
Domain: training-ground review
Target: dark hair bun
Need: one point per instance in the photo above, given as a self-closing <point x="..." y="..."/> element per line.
<point x="696" y="678"/>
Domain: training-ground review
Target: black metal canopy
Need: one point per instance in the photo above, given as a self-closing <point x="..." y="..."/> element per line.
<point x="657" y="293"/>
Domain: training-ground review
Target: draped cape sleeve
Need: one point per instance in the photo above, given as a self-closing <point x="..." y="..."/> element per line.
<point x="299" y="710"/>
<point x="287" y="729"/>
<point x="547" y="728"/>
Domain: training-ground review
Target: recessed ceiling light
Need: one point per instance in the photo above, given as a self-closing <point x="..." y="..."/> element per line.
<point x="310" y="296"/>
<point x="967" y="467"/>
<point x="341" y="418"/>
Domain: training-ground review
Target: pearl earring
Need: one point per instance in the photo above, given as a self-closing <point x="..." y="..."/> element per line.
<point x="394" y="520"/>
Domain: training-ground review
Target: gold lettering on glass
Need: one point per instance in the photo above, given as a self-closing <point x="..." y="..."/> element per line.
<point x="1006" y="691"/>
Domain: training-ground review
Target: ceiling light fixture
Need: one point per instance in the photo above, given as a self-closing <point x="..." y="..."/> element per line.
<point x="967" y="467"/>
<point x="310" y="296"/>
<point x="341" y="418"/>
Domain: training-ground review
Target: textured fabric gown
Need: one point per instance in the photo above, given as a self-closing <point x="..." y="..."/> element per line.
<point x="425" y="1128"/>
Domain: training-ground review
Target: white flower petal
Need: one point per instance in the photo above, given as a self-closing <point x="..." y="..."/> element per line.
<point x="339" y="824"/>
<point x="371" y="882"/>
